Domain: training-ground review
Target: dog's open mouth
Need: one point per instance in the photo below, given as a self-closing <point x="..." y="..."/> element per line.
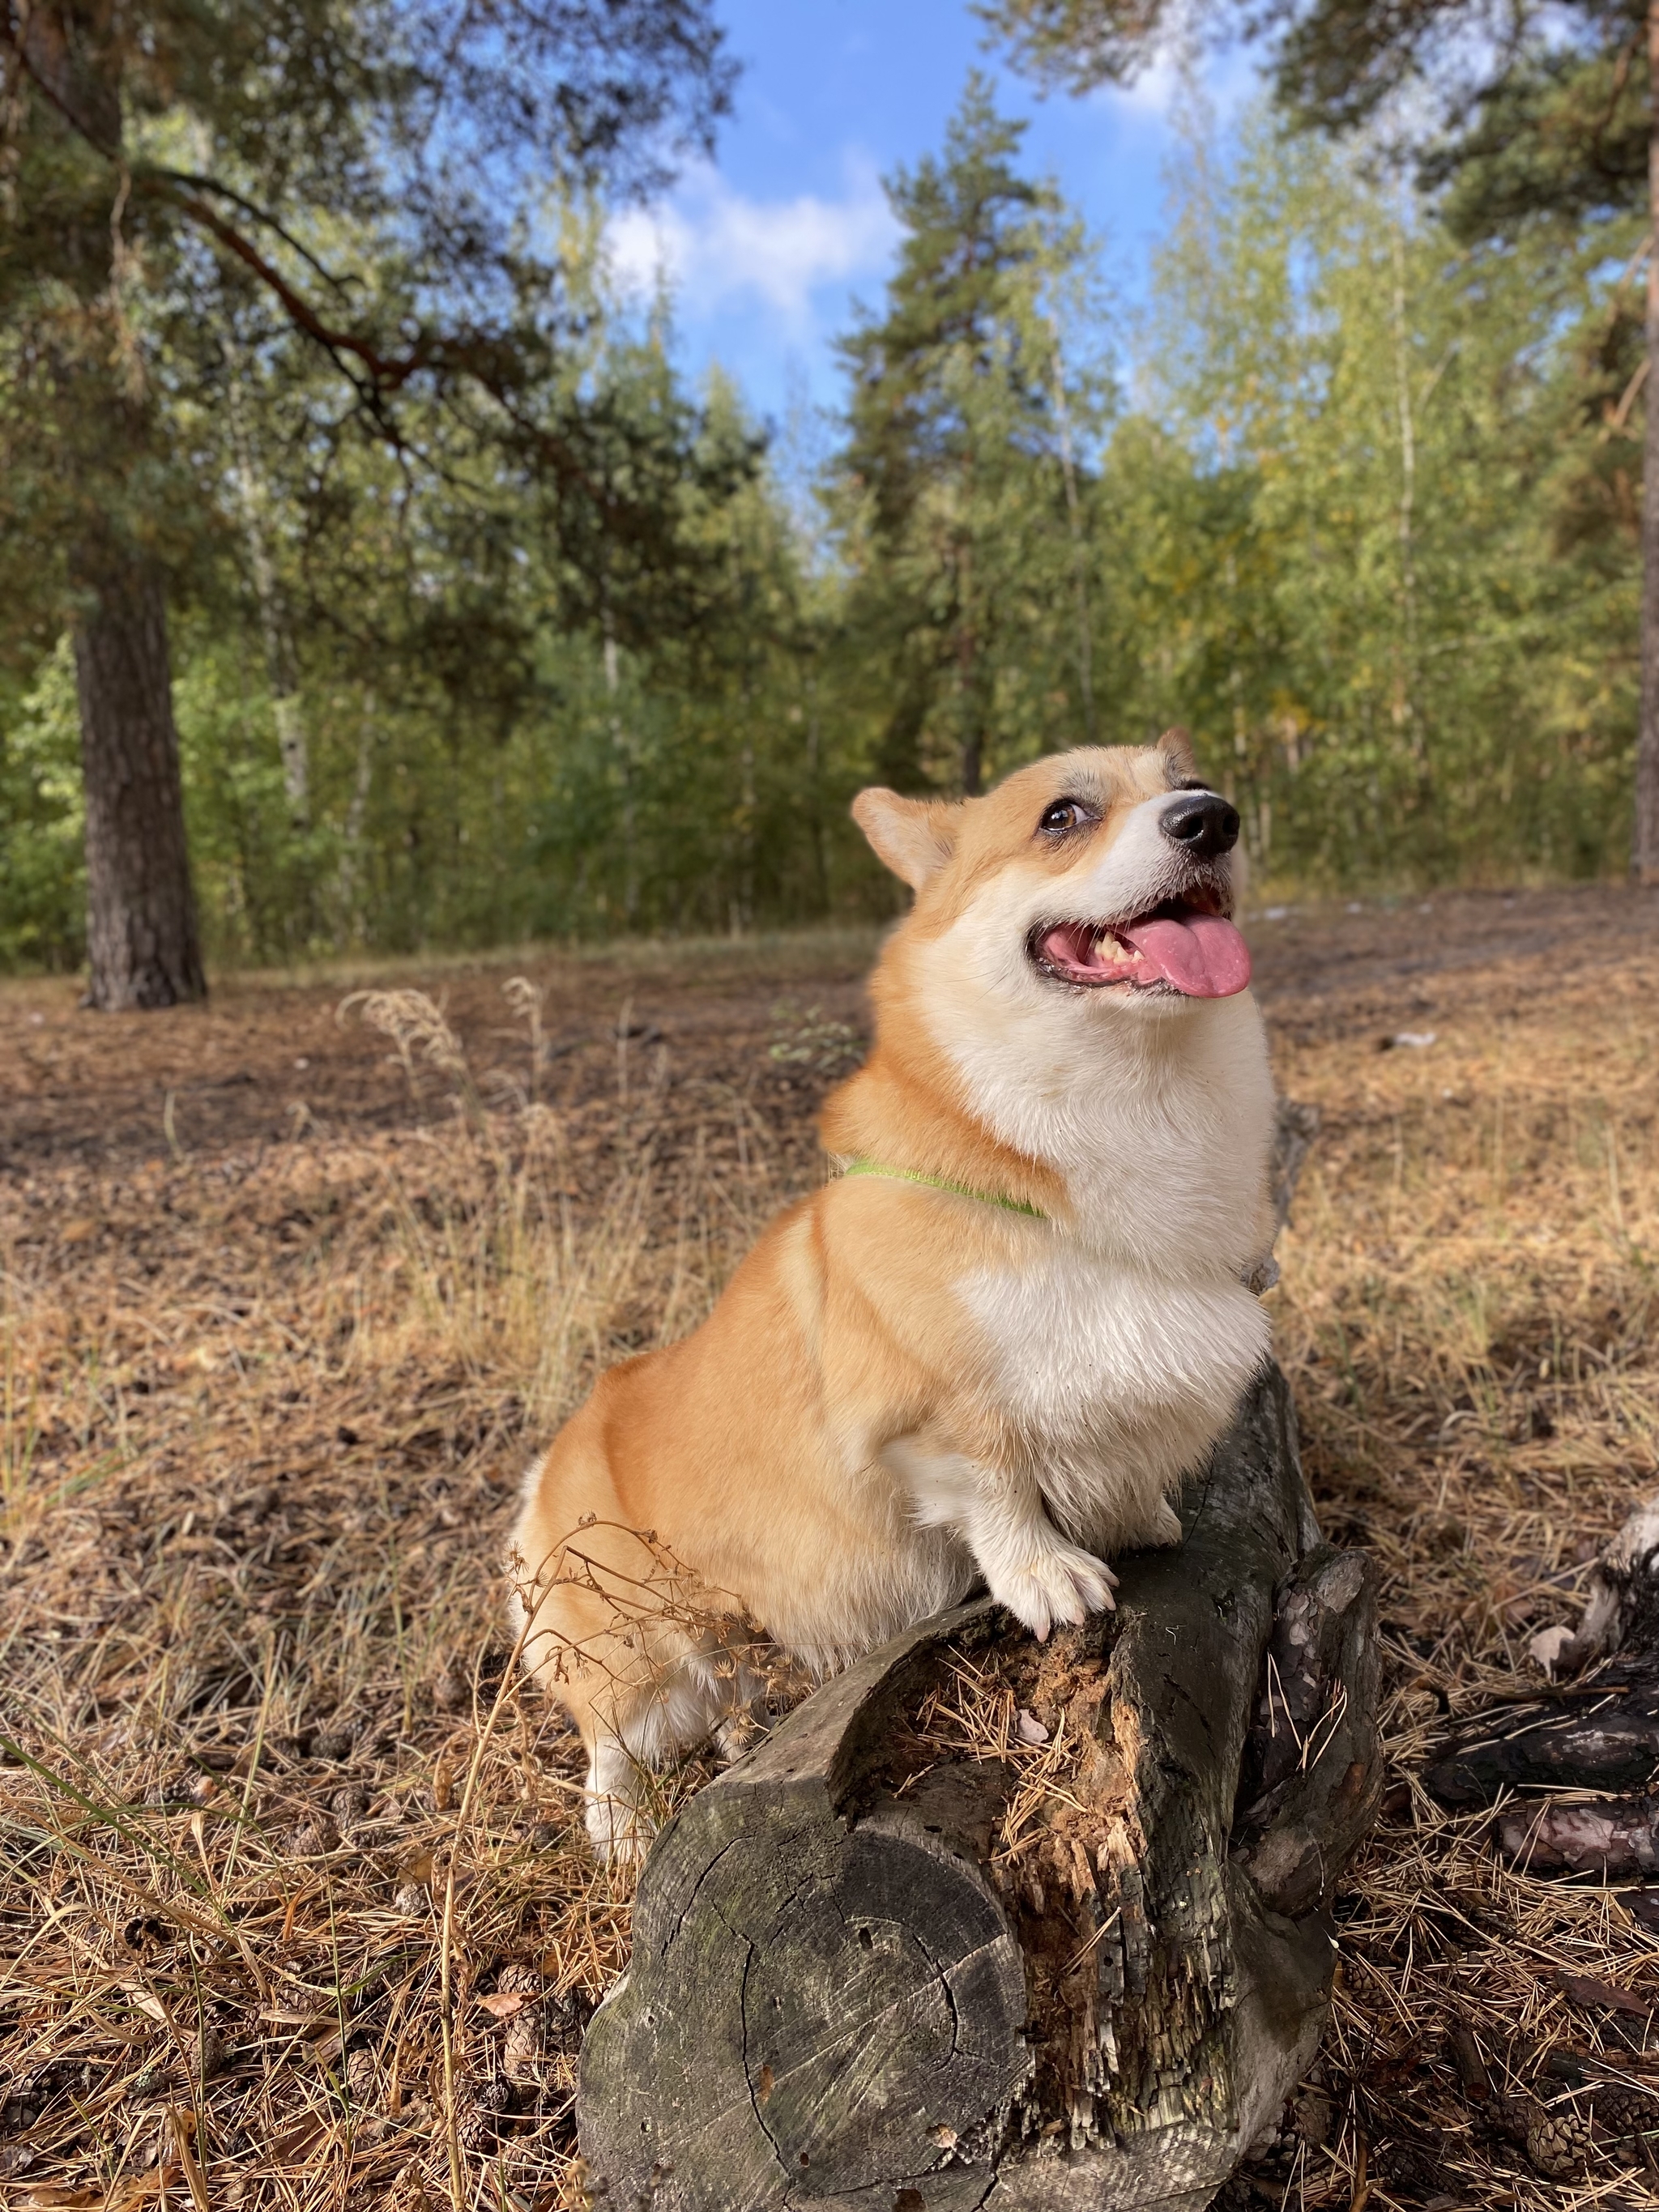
<point x="1182" y="945"/>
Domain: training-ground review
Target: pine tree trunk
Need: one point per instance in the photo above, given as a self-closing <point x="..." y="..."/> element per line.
<point x="1080" y="550"/>
<point x="1646" y="854"/>
<point x="142" y="942"/>
<point x="973" y="734"/>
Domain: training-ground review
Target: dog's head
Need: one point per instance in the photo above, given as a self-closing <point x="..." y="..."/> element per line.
<point x="1099" y="875"/>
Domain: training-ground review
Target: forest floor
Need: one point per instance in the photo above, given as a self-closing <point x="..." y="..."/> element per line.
<point x="296" y="1907"/>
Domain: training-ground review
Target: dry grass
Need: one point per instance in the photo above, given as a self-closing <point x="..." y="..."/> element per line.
<point x="294" y="1909"/>
<point x="1467" y="1313"/>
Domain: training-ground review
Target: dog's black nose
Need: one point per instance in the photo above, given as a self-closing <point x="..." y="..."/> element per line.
<point x="1202" y="822"/>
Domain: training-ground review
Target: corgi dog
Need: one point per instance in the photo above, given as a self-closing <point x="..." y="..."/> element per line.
<point x="987" y="1351"/>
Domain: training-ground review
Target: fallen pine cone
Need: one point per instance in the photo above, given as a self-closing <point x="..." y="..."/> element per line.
<point x="1557" y="2142"/>
<point x="522" y="2045"/>
<point x="568" y="2016"/>
<point x="1418" y="2165"/>
<point x="211" y="2054"/>
<point x="314" y="1838"/>
<point x="483" y="2106"/>
<point x="450" y="1692"/>
<point x="1628" y="2118"/>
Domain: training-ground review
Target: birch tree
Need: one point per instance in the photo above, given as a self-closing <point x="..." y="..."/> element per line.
<point x="1538" y="119"/>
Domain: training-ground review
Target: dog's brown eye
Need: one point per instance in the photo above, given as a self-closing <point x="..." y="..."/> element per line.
<point x="1064" y="814"/>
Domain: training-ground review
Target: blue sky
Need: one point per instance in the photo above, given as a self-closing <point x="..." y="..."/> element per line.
<point x="767" y="248"/>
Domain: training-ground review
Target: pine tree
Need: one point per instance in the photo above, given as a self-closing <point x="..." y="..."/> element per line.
<point x="952" y="483"/>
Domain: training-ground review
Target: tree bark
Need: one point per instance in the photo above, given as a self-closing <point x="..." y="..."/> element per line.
<point x="868" y="1973"/>
<point x="967" y="650"/>
<point x="142" y="941"/>
<point x="1599" y="1734"/>
<point x="1080" y="547"/>
<point x="622" y="745"/>
<point x="1646" y="849"/>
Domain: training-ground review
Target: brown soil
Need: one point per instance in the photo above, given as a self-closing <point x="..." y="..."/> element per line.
<point x="262" y="1055"/>
<point x="291" y="1878"/>
<point x="262" y="1059"/>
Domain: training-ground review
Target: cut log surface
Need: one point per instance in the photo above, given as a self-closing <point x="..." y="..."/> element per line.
<point x="885" y="1963"/>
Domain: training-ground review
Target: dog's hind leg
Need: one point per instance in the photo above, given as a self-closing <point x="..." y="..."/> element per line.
<point x="635" y="1728"/>
<point x="614" y="1818"/>
<point x="626" y="1640"/>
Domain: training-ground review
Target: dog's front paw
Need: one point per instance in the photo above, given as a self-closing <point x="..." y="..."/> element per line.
<point x="1061" y="1583"/>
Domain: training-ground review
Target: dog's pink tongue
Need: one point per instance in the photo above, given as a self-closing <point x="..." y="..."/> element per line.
<point x="1203" y="955"/>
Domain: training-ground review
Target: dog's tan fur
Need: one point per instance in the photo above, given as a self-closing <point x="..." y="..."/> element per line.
<point x="904" y="1389"/>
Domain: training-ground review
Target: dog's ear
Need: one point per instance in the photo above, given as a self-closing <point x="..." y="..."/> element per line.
<point x="1177" y="747"/>
<point x="914" y="837"/>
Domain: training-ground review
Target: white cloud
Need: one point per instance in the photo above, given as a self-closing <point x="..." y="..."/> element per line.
<point x="1150" y="90"/>
<point x="717" y="246"/>
<point x="1225" y="79"/>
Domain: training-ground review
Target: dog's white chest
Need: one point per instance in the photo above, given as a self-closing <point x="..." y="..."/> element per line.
<point x="1093" y="1360"/>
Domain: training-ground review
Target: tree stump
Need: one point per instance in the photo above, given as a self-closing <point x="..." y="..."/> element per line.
<point x="987" y="1922"/>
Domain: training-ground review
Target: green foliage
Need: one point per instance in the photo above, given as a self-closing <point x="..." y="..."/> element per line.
<point x="1544" y="116"/>
<point x="519" y="718"/>
<point x="566" y="660"/>
<point x="956" y="492"/>
<point x="42" y="886"/>
<point x="356" y="183"/>
<point x="1560" y="137"/>
<point x="1350" y="552"/>
<point x="1075" y="45"/>
<point x="1371" y="534"/>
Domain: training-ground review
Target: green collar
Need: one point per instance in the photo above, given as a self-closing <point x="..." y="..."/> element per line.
<point x="943" y="1183"/>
